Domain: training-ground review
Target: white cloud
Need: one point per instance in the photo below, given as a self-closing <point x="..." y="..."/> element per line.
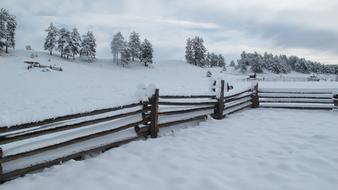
<point x="302" y="27"/>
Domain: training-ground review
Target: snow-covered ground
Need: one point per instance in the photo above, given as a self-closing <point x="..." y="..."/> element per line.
<point x="30" y="95"/>
<point x="253" y="149"/>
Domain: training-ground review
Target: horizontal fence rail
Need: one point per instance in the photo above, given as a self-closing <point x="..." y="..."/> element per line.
<point x="64" y="118"/>
<point x="187" y="97"/>
<point x="296" y="98"/>
<point x="37" y="145"/>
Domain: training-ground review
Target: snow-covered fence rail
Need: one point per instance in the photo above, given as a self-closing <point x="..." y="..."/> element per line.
<point x="192" y="108"/>
<point x="296" y="98"/>
<point x="241" y="100"/>
<point x="36" y="124"/>
<point x="34" y="146"/>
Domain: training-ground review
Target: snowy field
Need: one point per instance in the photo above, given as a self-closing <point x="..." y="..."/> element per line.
<point x="253" y="149"/>
<point x="30" y="95"/>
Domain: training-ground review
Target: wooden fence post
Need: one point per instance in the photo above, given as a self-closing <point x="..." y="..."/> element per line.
<point x="335" y="100"/>
<point x="154" y="129"/>
<point x="1" y="156"/>
<point x="218" y="113"/>
<point x="146" y="109"/>
<point x="255" y="97"/>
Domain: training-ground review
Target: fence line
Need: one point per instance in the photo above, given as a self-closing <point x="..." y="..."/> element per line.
<point x="56" y="140"/>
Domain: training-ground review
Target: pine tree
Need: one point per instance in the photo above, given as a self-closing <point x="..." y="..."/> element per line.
<point x="7" y="30"/>
<point x="2" y="29"/>
<point x="75" y="42"/>
<point x="63" y="38"/>
<point x="51" y="38"/>
<point x="68" y="50"/>
<point x="126" y="56"/>
<point x="117" y="45"/>
<point x="243" y="68"/>
<point x="213" y="60"/>
<point x="11" y="27"/>
<point x="199" y="51"/>
<point x="221" y="61"/>
<point x="189" y="52"/>
<point x="146" y="53"/>
<point x="134" y="45"/>
<point x="88" y="46"/>
<point x="257" y="66"/>
<point x="232" y="63"/>
<point x="208" y="60"/>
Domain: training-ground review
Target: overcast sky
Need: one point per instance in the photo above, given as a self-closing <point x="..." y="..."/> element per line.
<point x="306" y="28"/>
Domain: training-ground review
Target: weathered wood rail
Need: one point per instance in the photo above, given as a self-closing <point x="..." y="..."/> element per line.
<point x="297" y="98"/>
<point x="36" y="145"/>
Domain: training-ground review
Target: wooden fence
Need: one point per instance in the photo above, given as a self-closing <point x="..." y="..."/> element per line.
<point x="34" y="146"/>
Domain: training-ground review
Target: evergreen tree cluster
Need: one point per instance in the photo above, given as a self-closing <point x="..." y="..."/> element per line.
<point x="7" y="30"/>
<point x="196" y="54"/>
<point x="282" y="64"/>
<point x="69" y="43"/>
<point x="131" y="50"/>
<point x="214" y="60"/>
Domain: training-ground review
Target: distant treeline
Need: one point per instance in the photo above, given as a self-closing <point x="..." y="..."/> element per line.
<point x="281" y="64"/>
<point x="69" y="43"/>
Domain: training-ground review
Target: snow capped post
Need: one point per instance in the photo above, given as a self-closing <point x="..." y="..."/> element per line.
<point x="218" y="112"/>
<point x="254" y="97"/>
<point x="149" y="96"/>
<point x="154" y="129"/>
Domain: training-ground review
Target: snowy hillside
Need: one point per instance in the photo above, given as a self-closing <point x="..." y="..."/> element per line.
<point x="29" y="95"/>
<point x="256" y="149"/>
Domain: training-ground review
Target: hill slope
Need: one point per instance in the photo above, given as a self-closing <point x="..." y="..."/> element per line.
<point x="29" y="95"/>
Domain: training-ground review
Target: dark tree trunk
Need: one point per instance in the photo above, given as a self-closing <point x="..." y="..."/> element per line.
<point x="117" y="58"/>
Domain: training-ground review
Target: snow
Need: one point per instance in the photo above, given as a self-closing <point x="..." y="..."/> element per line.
<point x="34" y="95"/>
<point x="273" y="149"/>
<point x="31" y="95"/>
<point x="252" y="149"/>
